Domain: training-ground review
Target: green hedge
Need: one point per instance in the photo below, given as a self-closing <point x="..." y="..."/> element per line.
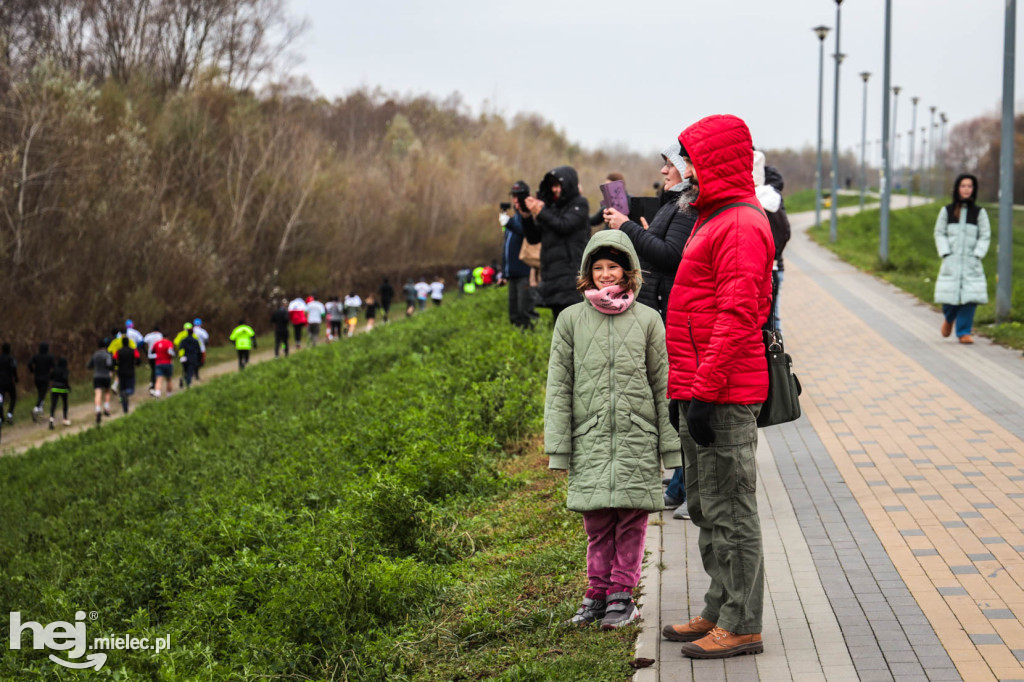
<point x="287" y="520"/>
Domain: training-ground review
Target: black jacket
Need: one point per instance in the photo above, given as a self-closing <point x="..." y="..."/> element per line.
<point x="8" y="370"/>
<point x="660" y="248"/>
<point x="280" y="320"/>
<point x="41" y="364"/>
<point x="779" y="221"/>
<point x="563" y="230"/>
<point x="191" y="349"/>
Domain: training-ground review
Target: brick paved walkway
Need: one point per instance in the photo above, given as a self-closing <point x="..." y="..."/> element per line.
<point x="892" y="511"/>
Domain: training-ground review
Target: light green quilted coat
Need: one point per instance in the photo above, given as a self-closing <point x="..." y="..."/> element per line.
<point x="962" y="245"/>
<point x="606" y="415"/>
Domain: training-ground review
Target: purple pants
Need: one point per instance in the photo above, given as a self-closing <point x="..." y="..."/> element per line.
<point x="615" y="551"/>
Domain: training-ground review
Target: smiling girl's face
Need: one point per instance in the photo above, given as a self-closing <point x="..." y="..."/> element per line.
<point x="606" y="272"/>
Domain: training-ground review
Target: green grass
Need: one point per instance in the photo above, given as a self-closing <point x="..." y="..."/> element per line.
<point x="914" y="262"/>
<point x="368" y="510"/>
<point x="804" y="201"/>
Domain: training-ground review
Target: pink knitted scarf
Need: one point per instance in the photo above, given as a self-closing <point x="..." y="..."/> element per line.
<point x="610" y="300"/>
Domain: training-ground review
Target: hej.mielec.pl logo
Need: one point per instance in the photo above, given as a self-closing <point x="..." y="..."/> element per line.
<point x="71" y="637"/>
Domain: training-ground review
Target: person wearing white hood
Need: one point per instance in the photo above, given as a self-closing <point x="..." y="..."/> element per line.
<point x="768" y="186"/>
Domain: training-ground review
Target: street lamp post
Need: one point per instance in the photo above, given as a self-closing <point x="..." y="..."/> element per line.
<point x="910" y="159"/>
<point x="821" y="32"/>
<point x="931" y="145"/>
<point x="894" y="149"/>
<point x="939" y="155"/>
<point x="1004" y="261"/>
<point x="883" y="216"/>
<point x="864" y="76"/>
<point x="834" y="222"/>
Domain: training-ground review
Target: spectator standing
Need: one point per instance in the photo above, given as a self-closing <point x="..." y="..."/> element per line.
<point x="125" y="360"/>
<point x="41" y="364"/>
<point x="520" y="301"/>
<point x="558" y="221"/>
<point x="436" y="291"/>
<point x="611" y="446"/>
<point x="769" y="194"/>
<point x="281" y="320"/>
<point x="387" y="294"/>
<point x="164" y="355"/>
<point x="8" y="381"/>
<point x="409" y="291"/>
<point x="962" y="236"/>
<point x="718" y="374"/>
<point x="150" y="340"/>
<point x="297" y="315"/>
<point x="352" y="305"/>
<point x="422" y="292"/>
<point x="191" y="353"/>
<point x="60" y="386"/>
<point x="244" y="339"/>
<point x="315" y="311"/>
<point x="660" y="247"/>
<point x="101" y="363"/>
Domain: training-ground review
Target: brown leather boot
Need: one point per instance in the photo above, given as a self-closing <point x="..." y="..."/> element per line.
<point x="947" y="329"/>
<point x="721" y="643"/>
<point x="696" y="628"/>
<point x="966" y="338"/>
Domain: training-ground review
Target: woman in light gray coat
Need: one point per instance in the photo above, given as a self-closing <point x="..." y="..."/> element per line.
<point x="962" y="236"/>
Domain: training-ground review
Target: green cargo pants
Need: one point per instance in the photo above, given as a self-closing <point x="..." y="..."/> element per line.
<point x="721" y="484"/>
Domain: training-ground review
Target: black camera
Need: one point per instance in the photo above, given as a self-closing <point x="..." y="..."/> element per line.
<point x="505" y="205"/>
<point x="519" y="192"/>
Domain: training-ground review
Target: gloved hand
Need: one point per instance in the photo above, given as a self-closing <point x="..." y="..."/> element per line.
<point x="698" y="422"/>
<point x="673" y="414"/>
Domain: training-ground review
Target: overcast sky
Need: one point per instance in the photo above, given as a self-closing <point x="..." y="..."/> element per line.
<point x="636" y="74"/>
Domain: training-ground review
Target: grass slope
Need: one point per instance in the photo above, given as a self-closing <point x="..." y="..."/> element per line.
<point x="352" y="512"/>
<point x="914" y="262"/>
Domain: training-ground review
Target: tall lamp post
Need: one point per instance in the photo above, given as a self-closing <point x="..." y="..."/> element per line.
<point x="1004" y="261"/>
<point x="939" y="155"/>
<point x="894" y="143"/>
<point x="821" y="32"/>
<point x="883" y="217"/>
<point x="864" y="76"/>
<point x="925" y="150"/>
<point x="833" y="224"/>
<point x="910" y="160"/>
<point x="931" y="144"/>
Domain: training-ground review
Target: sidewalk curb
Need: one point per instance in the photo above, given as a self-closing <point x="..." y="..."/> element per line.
<point x="648" y="643"/>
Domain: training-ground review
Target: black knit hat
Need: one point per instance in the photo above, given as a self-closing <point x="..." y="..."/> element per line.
<point x="614" y="255"/>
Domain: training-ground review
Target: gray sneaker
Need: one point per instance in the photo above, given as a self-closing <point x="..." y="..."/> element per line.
<point x="680" y="513"/>
<point x="671" y="502"/>
<point x="621" y="611"/>
<point x="590" y="611"/>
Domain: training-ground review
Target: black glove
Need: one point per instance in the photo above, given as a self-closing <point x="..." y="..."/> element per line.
<point x="698" y="422"/>
<point x="673" y="414"/>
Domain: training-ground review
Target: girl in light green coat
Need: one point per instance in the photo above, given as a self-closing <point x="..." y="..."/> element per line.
<point x="962" y="236"/>
<point x="606" y="421"/>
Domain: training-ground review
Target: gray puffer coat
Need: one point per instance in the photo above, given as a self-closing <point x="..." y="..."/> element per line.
<point x="962" y="245"/>
<point x="606" y="415"/>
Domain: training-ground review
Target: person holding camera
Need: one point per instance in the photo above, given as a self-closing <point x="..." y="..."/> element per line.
<point x="514" y="270"/>
<point x="558" y="219"/>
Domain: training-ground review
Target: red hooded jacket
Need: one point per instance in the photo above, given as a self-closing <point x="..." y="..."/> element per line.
<point x="722" y="291"/>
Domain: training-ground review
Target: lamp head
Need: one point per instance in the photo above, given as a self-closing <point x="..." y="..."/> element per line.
<point x="821" y="31"/>
<point x="865" y="75"/>
<point x="932" y="109"/>
<point x="915" y="100"/>
<point x="896" y="89"/>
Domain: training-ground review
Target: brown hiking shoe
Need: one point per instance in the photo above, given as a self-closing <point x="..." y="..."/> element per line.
<point x="688" y="632"/>
<point x="947" y="328"/>
<point x="966" y="338"/>
<point x="721" y="643"/>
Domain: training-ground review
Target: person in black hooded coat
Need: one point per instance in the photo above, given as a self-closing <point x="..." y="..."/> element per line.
<point x="558" y="220"/>
<point x="660" y="244"/>
<point x="41" y="364"/>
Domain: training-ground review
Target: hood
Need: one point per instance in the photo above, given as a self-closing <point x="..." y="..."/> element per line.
<point x="566" y="177"/>
<point x="720" y="148"/>
<point x="615" y="239"/>
<point x="956" y="184"/>
<point x="44" y="348"/>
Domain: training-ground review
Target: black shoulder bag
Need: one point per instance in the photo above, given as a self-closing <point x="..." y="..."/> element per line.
<point x="783" y="403"/>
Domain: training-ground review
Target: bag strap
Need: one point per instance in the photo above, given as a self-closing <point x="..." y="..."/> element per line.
<point x="734" y="205"/>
